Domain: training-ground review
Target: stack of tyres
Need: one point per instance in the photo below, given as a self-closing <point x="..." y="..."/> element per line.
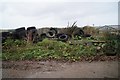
<point x="19" y="33"/>
<point x="32" y="34"/>
<point x="4" y="36"/>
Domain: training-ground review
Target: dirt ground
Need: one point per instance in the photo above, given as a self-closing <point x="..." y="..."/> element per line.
<point x="57" y="69"/>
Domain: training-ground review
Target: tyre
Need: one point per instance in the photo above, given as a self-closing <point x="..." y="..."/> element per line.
<point x="54" y="30"/>
<point x="20" y="29"/>
<point x="63" y="37"/>
<point x="78" y="32"/>
<point x="33" y="32"/>
<point x="43" y="36"/>
<point x="50" y="34"/>
<point x="31" y="28"/>
<point x="21" y="34"/>
<point x="57" y="35"/>
<point x="5" y="35"/>
<point x="86" y="35"/>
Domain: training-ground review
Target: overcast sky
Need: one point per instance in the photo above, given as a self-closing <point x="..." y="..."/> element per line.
<point x="57" y="14"/>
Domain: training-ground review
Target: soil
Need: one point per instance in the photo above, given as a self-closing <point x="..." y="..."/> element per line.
<point x="60" y="69"/>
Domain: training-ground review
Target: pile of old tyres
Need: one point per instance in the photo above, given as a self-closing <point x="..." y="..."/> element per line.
<point x="31" y="32"/>
<point x="53" y="33"/>
<point x="21" y="34"/>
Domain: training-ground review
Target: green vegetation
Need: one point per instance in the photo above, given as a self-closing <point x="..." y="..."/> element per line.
<point x="112" y="45"/>
<point x="47" y="49"/>
<point x="73" y="49"/>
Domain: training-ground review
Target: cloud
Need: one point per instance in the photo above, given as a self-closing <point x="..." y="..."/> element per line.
<point x="16" y="14"/>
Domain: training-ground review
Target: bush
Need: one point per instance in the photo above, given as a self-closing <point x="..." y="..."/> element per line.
<point x="11" y="45"/>
<point x="112" y="45"/>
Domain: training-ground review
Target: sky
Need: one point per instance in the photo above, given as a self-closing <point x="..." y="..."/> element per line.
<point x="15" y="14"/>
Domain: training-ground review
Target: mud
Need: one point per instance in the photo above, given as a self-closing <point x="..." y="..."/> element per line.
<point x="57" y="69"/>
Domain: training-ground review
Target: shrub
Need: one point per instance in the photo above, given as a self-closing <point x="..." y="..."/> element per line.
<point x="112" y="45"/>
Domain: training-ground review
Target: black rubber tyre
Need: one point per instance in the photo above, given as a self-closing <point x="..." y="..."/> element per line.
<point x="57" y="35"/>
<point x="5" y="35"/>
<point x="78" y="32"/>
<point x="54" y="30"/>
<point x="20" y="33"/>
<point x="34" y="32"/>
<point x="20" y="29"/>
<point x="63" y="37"/>
<point x="86" y="35"/>
<point x="50" y="34"/>
<point x="31" y="28"/>
<point x="43" y="36"/>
